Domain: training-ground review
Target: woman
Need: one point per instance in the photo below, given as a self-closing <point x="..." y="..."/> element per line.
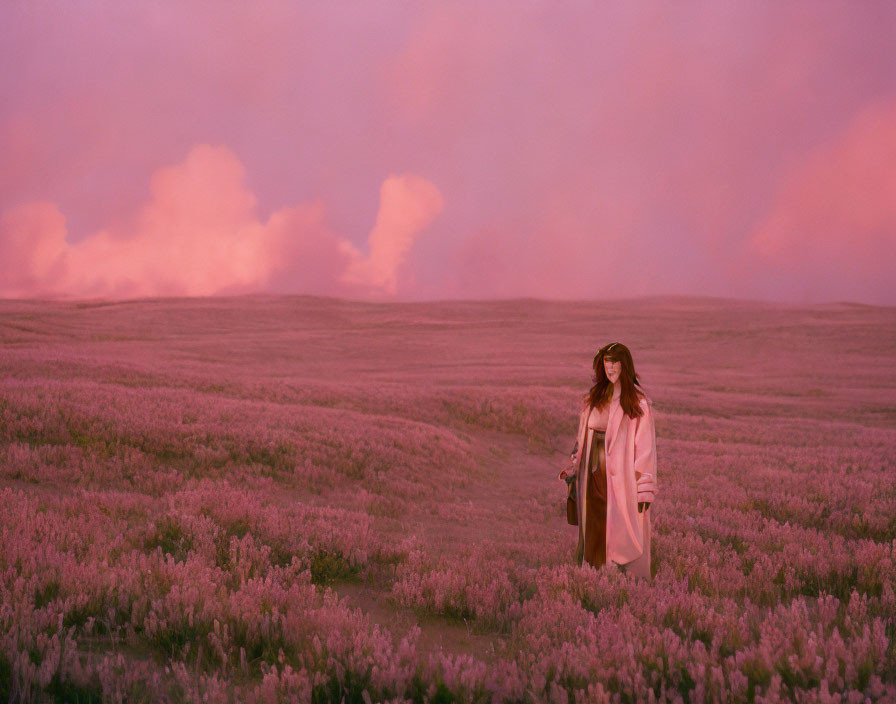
<point x="614" y="467"/>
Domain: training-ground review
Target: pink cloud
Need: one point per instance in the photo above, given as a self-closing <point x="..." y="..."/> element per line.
<point x="835" y="212"/>
<point x="32" y="243"/>
<point x="408" y="203"/>
<point x="199" y="235"/>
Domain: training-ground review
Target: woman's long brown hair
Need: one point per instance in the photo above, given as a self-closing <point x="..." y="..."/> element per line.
<point x="630" y="386"/>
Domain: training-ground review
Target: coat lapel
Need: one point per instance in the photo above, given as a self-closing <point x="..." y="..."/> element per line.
<point x="615" y="418"/>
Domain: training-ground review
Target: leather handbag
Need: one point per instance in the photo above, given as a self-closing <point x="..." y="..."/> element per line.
<point x="572" y="512"/>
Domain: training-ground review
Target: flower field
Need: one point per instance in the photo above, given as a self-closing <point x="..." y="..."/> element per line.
<point x="280" y="498"/>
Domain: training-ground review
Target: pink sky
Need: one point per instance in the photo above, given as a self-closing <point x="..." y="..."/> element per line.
<point x="414" y="151"/>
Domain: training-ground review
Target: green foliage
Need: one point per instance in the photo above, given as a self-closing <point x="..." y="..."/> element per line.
<point x="171" y="640"/>
<point x="48" y="593"/>
<point x="350" y="690"/>
<point x="328" y="567"/>
<point x="237" y="529"/>
<point x="65" y="690"/>
<point x="169" y="535"/>
<point x="756" y="674"/>
<point x="5" y="678"/>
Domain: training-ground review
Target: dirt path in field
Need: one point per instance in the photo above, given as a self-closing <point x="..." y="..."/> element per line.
<point x="487" y="507"/>
<point x="436" y="633"/>
<point x="512" y="477"/>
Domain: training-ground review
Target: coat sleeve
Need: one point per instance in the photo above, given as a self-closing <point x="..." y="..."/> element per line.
<point x="645" y="454"/>
<point x="574" y="455"/>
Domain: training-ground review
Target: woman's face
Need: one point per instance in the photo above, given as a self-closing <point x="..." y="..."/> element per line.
<point x="612" y="367"/>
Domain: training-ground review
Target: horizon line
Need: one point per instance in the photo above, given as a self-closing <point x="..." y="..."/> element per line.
<point x="659" y="298"/>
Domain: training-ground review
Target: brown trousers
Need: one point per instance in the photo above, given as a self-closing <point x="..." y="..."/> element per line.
<point x="592" y="545"/>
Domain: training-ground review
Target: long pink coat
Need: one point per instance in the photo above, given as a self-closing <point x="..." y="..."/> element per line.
<point x="631" y="477"/>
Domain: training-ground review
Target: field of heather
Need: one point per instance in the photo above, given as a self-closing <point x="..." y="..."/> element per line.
<point x="304" y="499"/>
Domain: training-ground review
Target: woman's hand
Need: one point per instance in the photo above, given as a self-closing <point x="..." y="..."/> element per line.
<point x="568" y="472"/>
<point x="642" y="505"/>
